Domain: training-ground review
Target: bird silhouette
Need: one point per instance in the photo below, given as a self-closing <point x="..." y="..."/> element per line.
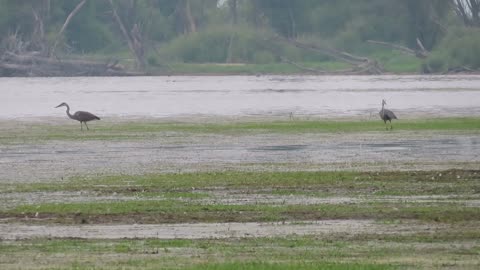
<point x="81" y="116"/>
<point x="387" y="115"/>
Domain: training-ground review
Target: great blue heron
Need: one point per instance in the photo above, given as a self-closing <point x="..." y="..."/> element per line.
<point x="387" y="115"/>
<point x="81" y="116"/>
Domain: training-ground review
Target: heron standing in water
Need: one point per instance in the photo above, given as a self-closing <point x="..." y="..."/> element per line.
<point x="81" y="116"/>
<point x="387" y="115"/>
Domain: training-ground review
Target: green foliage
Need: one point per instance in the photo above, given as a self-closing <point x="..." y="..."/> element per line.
<point x="202" y="31"/>
<point x="213" y="44"/>
<point x="460" y="48"/>
<point x="436" y="62"/>
<point x="90" y="36"/>
<point x="394" y="61"/>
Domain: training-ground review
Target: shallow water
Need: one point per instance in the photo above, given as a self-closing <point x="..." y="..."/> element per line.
<point x="323" y="96"/>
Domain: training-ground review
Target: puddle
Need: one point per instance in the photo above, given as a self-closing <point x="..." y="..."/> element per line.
<point x="209" y="230"/>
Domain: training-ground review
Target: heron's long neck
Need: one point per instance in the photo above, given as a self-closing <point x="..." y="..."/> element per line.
<point x="383" y="108"/>
<point x="68" y="112"/>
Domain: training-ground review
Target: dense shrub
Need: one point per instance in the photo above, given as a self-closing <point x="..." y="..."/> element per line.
<point x="213" y="44"/>
<point x="460" y="48"/>
<point x="89" y="36"/>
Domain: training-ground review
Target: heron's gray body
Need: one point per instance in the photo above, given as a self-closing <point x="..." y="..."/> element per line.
<point x="84" y="116"/>
<point x="387" y="115"/>
<point x="81" y="116"/>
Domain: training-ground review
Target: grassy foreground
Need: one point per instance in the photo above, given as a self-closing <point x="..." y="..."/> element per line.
<point x="445" y="199"/>
<point x="450" y="202"/>
<point x="195" y="197"/>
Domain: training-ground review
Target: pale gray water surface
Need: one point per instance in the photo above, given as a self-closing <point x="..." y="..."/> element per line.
<point x="322" y="96"/>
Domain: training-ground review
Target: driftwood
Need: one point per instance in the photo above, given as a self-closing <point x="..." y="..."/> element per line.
<point x="307" y="69"/>
<point x="421" y="53"/>
<point x="360" y="65"/>
<point x="20" y="58"/>
<point x="33" y="64"/>
<point x="460" y="69"/>
<point x="400" y="48"/>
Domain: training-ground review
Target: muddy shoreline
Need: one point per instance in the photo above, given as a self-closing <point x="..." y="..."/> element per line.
<point x="212" y="230"/>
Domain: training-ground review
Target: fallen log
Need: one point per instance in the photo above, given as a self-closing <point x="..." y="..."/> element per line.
<point x="422" y="53"/>
<point x="361" y="65"/>
<point x="32" y="64"/>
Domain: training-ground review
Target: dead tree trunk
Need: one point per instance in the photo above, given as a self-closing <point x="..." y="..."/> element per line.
<point x="38" y="35"/>
<point x="134" y="48"/>
<point x="67" y="22"/>
<point x="469" y="11"/>
<point x="422" y="53"/>
<point x="233" y="11"/>
<point x="293" y="25"/>
<point x="189" y="16"/>
<point x="185" y="21"/>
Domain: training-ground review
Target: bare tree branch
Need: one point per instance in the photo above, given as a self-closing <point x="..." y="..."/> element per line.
<point x="130" y="41"/>
<point x="362" y="65"/>
<point x="400" y="48"/>
<point x="67" y="22"/>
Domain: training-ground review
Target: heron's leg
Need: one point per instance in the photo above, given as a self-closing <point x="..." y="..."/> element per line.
<point x="86" y="126"/>
<point x="81" y="126"/>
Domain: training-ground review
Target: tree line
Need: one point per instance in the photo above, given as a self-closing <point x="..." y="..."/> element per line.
<point x="444" y="33"/>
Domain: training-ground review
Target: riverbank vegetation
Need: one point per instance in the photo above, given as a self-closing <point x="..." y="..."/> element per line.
<point x="125" y="37"/>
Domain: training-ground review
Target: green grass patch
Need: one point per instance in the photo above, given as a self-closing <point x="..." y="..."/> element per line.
<point x="320" y="184"/>
<point x="296" y="126"/>
<point x="249" y="69"/>
<point x="177" y="212"/>
<point x="142" y="130"/>
<point x="331" y="251"/>
<point x="397" y="62"/>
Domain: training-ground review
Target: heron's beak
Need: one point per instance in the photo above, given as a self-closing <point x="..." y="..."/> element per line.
<point x="59" y="105"/>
